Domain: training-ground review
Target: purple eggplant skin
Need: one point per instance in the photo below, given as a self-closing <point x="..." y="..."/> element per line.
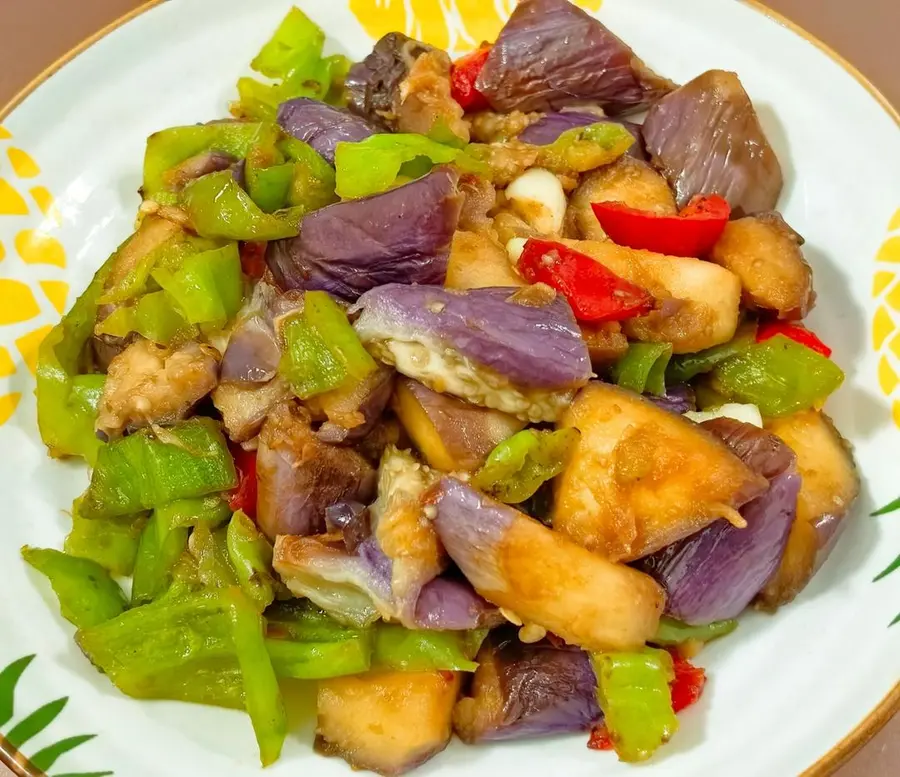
<point x="548" y="129"/>
<point x="351" y="519"/>
<point x="551" y="54"/>
<point x="321" y="125"/>
<point x="714" y="574"/>
<point x="400" y="236"/>
<point x="679" y="399"/>
<point x="299" y="476"/>
<point x="448" y="604"/>
<point x="352" y="415"/>
<point x="533" y="345"/>
<point x="523" y="691"/>
<point x="253" y="353"/>
<point x="706" y="139"/>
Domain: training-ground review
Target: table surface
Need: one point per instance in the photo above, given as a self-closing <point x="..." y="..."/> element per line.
<point x="863" y="31"/>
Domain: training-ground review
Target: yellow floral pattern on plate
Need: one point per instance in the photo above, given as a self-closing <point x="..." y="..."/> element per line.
<point x="885" y="330"/>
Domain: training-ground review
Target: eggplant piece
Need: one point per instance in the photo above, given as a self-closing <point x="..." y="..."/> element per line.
<point x="519" y="352"/>
<point x="245" y="408"/>
<point x="386" y="722"/>
<point x="524" y="691"/>
<point x="542" y="576"/>
<point x="706" y="139"/>
<point x="424" y="104"/>
<point x="447" y="604"/>
<point x="551" y="53"/>
<point x="714" y="575"/>
<point x="605" y="342"/>
<point x="630" y="181"/>
<point x="402" y="235"/>
<point x="480" y="199"/>
<point x="153" y="384"/>
<point x="192" y="168"/>
<point x="830" y="487"/>
<point x="351" y="519"/>
<point x="642" y="478"/>
<point x="548" y="128"/>
<point x="352" y="413"/>
<point x="764" y="253"/>
<point x="477" y="261"/>
<point x="492" y="127"/>
<point x="678" y="399"/>
<point x="253" y="352"/>
<point x="322" y="126"/>
<point x="452" y="435"/>
<point x="698" y="302"/>
<point x="299" y="476"/>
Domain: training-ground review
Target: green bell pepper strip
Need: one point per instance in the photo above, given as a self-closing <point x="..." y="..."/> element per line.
<point x="519" y="465"/>
<point x="212" y="566"/>
<point x="673" y="632"/>
<point x="633" y="692"/>
<point x="218" y="208"/>
<point x="314" y="179"/>
<point x="402" y="649"/>
<point x="87" y="594"/>
<point x="330" y="321"/>
<point x="643" y="368"/>
<point x="372" y="165"/>
<point x="210" y="510"/>
<point x="299" y="620"/>
<point x="160" y="548"/>
<point x="307" y="362"/>
<point x="208" y="288"/>
<point x="684" y="367"/>
<point x="320" y="660"/>
<point x="142" y="472"/>
<point x="262" y="696"/>
<point x="297" y="38"/>
<point x="586" y="148"/>
<point x="250" y="554"/>
<point x="270" y="187"/>
<point x="110" y="542"/>
<point x="154" y="316"/>
<point x="779" y="376"/>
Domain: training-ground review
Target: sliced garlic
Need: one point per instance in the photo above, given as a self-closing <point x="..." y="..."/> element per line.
<point x="514" y="248"/>
<point x="538" y="197"/>
<point x="748" y="414"/>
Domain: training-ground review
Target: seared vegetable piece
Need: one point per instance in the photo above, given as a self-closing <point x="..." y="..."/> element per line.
<point x="396" y="647"/>
<point x="110" y="542"/>
<point x="518" y="352"/>
<point x="673" y="632"/>
<point x="426" y="105"/>
<point x="547" y="129"/>
<point x="320" y="660"/>
<point x="299" y="476"/>
<point x="487" y="126"/>
<point x="209" y="510"/>
<point x="161" y="547"/>
<point x="150" y="384"/>
<point x="155" y="316"/>
<point x="678" y="399"/>
<point x="245" y="408"/>
<point x="299" y="620"/>
<point x="642" y="478"/>
<point x="630" y="181"/>
<point x="764" y="252"/>
<point x="698" y="302"/>
<point x="251" y="556"/>
<point x="643" y="368"/>
<point x="253" y="353"/>
<point x="606" y="343"/>
<point x="321" y="125"/>
<point x="388" y="722"/>
<point x="522" y="566"/>
<point x="633" y="689"/>
<point x="829" y="487"/>
<point x="551" y="54"/>
<point x="87" y="594"/>
<point x="524" y="691"/>
<point x="519" y="465"/>
<point x="477" y="262"/>
<point x="354" y="411"/>
<point x="448" y="604"/>
<point x="351" y="519"/>
<point x="714" y="574"/>
<point x="683" y="368"/>
<point x="706" y="139"/>
<point x="401" y="235"/>
<point x="453" y="435"/>
<point x="149" y="469"/>
<point x="779" y="376"/>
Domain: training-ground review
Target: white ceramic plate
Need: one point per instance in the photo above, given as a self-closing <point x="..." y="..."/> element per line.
<point x="784" y="690"/>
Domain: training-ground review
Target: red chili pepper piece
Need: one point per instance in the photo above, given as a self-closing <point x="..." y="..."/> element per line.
<point x="797" y="333"/>
<point x="600" y="738"/>
<point x="244" y="496"/>
<point x="462" y="80"/>
<point x="253" y="259"/>
<point x="693" y="232"/>
<point x="687" y="687"/>
<point x="594" y="292"/>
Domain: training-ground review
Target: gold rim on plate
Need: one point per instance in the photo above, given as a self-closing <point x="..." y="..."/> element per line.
<point x="844" y="750"/>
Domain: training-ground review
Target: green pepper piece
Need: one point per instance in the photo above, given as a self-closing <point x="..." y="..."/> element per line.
<point x="517" y="467"/>
<point x="210" y="510"/>
<point x="320" y="660"/>
<point x="296" y="39"/>
<point x="251" y="556"/>
<point x="262" y="696"/>
<point x="143" y="471"/>
<point x="154" y="316"/>
<point x="643" y="368"/>
<point x="407" y="650"/>
<point x="330" y="321"/>
<point x="209" y="549"/>
<point x="307" y="362"/>
<point x="339" y="68"/>
<point x="270" y="187"/>
<point x="779" y="376"/>
<point x="684" y="367"/>
<point x="673" y="632"/>
<point x="313" y="183"/>
<point x="208" y="288"/>
<point x="633" y="692"/>
<point x="160" y="548"/>
<point x="87" y="594"/>
<point x="110" y="542"/>
<point x="299" y="620"/>
<point x="586" y="148"/>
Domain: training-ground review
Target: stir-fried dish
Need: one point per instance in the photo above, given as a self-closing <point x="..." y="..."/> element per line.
<point x="446" y="387"/>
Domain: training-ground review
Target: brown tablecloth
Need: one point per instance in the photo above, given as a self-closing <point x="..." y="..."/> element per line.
<point x="35" y="32"/>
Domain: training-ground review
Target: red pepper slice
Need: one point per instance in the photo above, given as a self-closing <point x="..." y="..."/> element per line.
<point x="244" y="496"/>
<point x="687" y="687"/>
<point x="594" y="292"/>
<point x="600" y="738"/>
<point x="693" y="232"/>
<point x="797" y="333"/>
<point x="253" y="259"/>
<point x="463" y="75"/>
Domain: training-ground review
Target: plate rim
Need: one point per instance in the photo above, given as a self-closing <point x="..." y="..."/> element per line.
<point x="887" y="708"/>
